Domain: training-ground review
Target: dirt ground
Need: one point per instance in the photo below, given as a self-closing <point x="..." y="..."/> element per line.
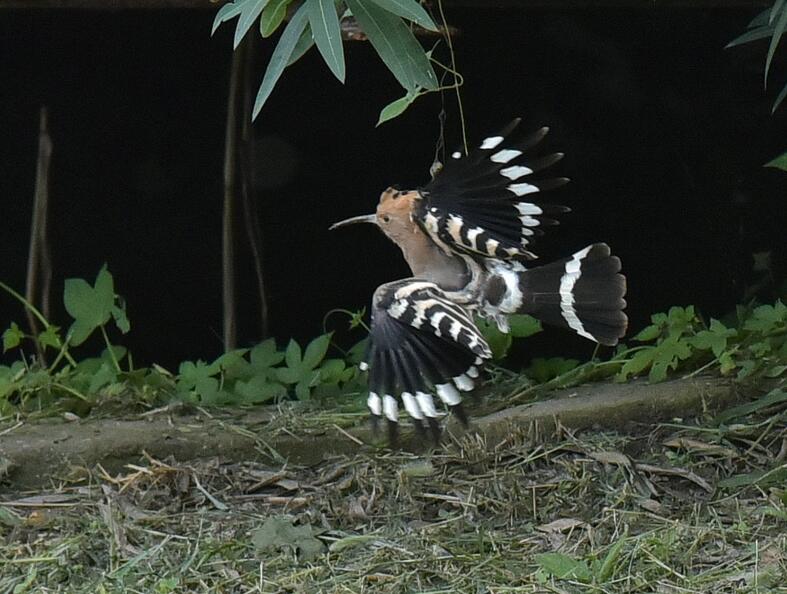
<point x="685" y="505"/>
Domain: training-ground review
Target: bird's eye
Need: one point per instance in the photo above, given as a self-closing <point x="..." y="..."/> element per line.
<point x="386" y="219"/>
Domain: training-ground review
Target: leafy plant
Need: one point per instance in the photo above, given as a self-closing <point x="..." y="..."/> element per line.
<point x="318" y="22"/>
<point x="758" y="345"/>
<point x="593" y="571"/>
<point x="520" y="326"/>
<point x="243" y="376"/>
<point x="770" y="23"/>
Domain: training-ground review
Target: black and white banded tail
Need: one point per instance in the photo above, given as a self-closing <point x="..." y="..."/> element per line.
<point x="583" y="293"/>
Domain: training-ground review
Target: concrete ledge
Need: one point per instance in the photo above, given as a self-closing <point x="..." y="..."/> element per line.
<point x="37" y="453"/>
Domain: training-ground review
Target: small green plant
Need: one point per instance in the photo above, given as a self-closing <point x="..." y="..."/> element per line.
<point x="520" y="326"/>
<point x="243" y="376"/>
<point x="756" y="345"/>
<point x="587" y="571"/>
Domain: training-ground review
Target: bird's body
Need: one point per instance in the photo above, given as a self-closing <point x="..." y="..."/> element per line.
<point x="466" y="238"/>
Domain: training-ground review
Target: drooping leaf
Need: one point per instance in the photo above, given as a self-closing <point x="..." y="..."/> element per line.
<point x="229" y="11"/>
<point x="327" y="34"/>
<point x="303" y="45"/>
<point x="779" y="162"/>
<point x="281" y="57"/>
<point x="315" y="351"/>
<point x="782" y="95"/>
<point x="760" y="20"/>
<point x="410" y="10"/>
<point x="396" y="45"/>
<point x="396" y="107"/>
<point x="249" y="14"/>
<point x="272" y="16"/>
<point x="774" y="12"/>
<point x="749" y="36"/>
<point x="778" y="29"/>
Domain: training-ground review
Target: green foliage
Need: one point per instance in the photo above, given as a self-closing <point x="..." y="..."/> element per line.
<point x="770" y="23"/>
<point x="592" y="571"/>
<point x="779" y="162"/>
<point x="243" y="376"/>
<point x="520" y="326"/>
<point x="92" y="307"/>
<point x="543" y="370"/>
<point x="757" y="346"/>
<point x="318" y="22"/>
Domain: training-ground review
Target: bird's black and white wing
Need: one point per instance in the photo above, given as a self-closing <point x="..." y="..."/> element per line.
<point x="486" y="203"/>
<point x="420" y="343"/>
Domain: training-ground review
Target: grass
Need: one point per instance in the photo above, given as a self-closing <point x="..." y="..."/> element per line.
<point x="593" y="512"/>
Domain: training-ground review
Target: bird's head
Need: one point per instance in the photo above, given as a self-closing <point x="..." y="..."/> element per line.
<point x="394" y="215"/>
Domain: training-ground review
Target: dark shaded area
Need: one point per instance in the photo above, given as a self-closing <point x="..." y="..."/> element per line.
<point x="665" y="134"/>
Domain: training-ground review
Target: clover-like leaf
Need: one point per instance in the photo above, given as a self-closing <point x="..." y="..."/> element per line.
<point x="198" y="378"/>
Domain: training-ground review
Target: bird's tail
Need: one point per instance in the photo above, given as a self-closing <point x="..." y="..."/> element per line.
<point x="583" y="293"/>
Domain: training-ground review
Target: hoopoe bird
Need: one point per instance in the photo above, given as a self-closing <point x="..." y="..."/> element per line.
<point x="466" y="236"/>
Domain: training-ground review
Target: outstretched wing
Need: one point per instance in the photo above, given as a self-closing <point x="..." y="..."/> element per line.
<point x="485" y="204"/>
<point x="420" y="343"/>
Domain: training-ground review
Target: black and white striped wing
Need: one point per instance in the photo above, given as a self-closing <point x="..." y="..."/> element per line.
<point x="421" y="343"/>
<point x="487" y="203"/>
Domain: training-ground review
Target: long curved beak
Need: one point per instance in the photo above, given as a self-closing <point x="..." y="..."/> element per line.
<point x="371" y="218"/>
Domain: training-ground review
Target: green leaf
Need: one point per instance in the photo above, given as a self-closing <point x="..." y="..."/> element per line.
<point x="272" y="16"/>
<point x="410" y="10"/>
<point x="303" y="45"/>
<point x="498" y="341"/>
<point x="775" y="396"/>
<point x="259" y="389"/>
<point x="542" y="370"/>
<point x="564" y="567"/>
<point x="12" y="337"/>
<point x="779" y="162"/>
<point x="778" y="102"/>
<point x="91" y="307"/>
<point x="292" y="356"/>
<point x="778" y="30"/>
<point x="774" y="12"/>
<point x="760" y="20"/>
<point x="396" y="107"/>
<point x="638" y="363"/>
<point x="121" y="320"/>
<point x="749" y="36"/>
<point x="396" y="45"/>
<point x="648" y="333"/>
<point x="250" y="12"/>
<point x="50" y="337"/>
<point x="227" y="12"/>
<point x="278" y="532"/>
<point x="327" y="34"/>
<point x="315" y="351"/>
<point x="523" y="325"/>
<point x="281" y="57"/>
<point x="714" y="339"/>
<point x="607" y="568"/>
<point x="762" y="478"/>
<point x="198" y="377"/>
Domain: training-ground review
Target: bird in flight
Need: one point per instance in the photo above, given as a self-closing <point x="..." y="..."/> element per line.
<point x="467" y="236"/>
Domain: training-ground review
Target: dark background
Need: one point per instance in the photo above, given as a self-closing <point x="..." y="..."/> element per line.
<point x="665" y="134"/>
